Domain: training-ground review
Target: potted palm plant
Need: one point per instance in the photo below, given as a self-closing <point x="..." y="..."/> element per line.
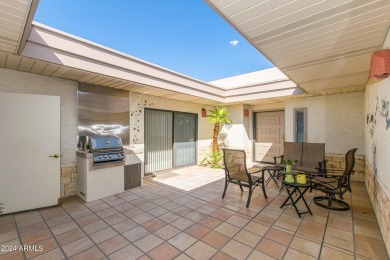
<point x="217" y="116"/>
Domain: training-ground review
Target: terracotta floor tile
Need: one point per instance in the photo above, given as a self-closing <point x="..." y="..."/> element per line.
<point x="106" y="213"/>
<point x="330" y="253"/>
<point x="103" y="235"/>
<point x="128" y="252"/>
<point x="87" y="220"/>
<point x="36" y="237"/>
<point x="142" y="218"/>
<point x="57" y="230"/>
<point x="8" y="236"/>
<point x="164" y="251"/>
<point x="114" y="219"/>
<point x="237" y="221"/>
<point x="197" y="231"/>
<point x="200" y="251"/>
<point x="124" y="207"/>
<point x="256" y="255"/>
<point x="265" y="220"/>
<point x="293" y="254"/>
<point x="94" y="227"/>
<point x="15" y="255"/>
<point x="222" y="256"/>
<point x="158" y="211"/>
<point x="271" y="248"/>
<point x="215" y="239"/>
<point x="46" y="246"/>
<point x="113" y="244"/>
<point x="70" y="236"/>
<point x="182" y="223"/>
<point x="32" y="229"/>
<point x="279" y="236"/>
<point x="169" y="217"/>
<point x="311" y="229"/>
<point x="55" y="254"/>
<point x="91" y="253"/>
<point x="236" y="249"/>
<point x="210" y="222"/>
<point x="148" y="242"/>
<point x="339" y="234"/>
<point x="6" y="219"/>
<point x="306" y="246"/>
<point x="221" y="215"/>
<point x="167" y="232"/>
<point x="26" y="215"/>
<point x="366" y="224"/>
<point x="29" y="221"/>
<point x="340" y="243"/>
<point x="196" y="216"/>
<point x="258" y="229"/>
<point x="81" y="214"/>
<point x="153" y="225"/>
<point x="125" y="225"/>
<point x="182" y="241"/>
<point x="135" y="233"/>
<point x="370" y="247"/>
<point x="346" y="226"/>
<point x="58" y="221"/>
<point x="247" y="238"/>
<point x="132" y="212"/>
<point x="368" y="232"/>
<point x="77" y="246"/>
<point x="227" y="229"/>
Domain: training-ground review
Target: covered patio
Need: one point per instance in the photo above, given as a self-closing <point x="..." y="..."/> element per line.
<point x="164" y="221"/>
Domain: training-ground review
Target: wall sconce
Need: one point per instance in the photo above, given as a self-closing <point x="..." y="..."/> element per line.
<point x="204" y="112"/>
<point x="380" y="64"/>
<point x="246" y="112"/>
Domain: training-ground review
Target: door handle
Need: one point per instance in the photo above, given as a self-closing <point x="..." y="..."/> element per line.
<point x="55" y="156"/>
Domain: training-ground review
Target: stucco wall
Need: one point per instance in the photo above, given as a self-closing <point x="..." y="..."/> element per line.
<point x="377" y="131"/>
<point x="337" y="121"/>
<point x="21" y="82"/>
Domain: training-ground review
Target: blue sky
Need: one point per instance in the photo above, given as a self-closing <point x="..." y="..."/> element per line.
<point x="185" y="36"/>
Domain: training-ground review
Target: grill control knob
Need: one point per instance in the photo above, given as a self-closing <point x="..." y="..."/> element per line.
<point x="109" y="156"/>
<point x="100" y="156"/>
<point x="105" y="156"/>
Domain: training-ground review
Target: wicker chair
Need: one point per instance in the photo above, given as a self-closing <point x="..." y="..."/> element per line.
<point x="335" y="184"/>
<point x="236" y="172"/>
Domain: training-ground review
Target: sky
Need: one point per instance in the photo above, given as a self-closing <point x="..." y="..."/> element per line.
<point x="186" y="36"/>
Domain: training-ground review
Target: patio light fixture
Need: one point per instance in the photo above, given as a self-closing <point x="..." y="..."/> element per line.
<point x="204" y="112"/>
<point x="380" y="64"/>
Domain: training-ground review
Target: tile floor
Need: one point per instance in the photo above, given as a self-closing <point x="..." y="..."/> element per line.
<point x="160" y="221"/>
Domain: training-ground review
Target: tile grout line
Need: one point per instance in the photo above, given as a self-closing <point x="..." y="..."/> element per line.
<point x="19" y="236"/>
<point x="51" y="232"/>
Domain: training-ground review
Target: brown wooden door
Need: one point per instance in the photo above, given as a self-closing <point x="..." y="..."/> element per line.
<point x="269" y="135"/>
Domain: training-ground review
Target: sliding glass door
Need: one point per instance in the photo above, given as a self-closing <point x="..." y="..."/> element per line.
<point x="170" y="139"/>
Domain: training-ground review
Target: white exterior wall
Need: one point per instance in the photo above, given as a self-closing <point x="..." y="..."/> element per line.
<point x="337" y="121"/>
<point x="22" y="82"/>
<point x="377" y="132"/>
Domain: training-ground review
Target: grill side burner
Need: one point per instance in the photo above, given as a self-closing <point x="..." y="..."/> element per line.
<point x="106" y="149"/>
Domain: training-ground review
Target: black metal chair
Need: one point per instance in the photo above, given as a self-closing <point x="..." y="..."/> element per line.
<point x="334" y="184"/>
<point x="236" y="172"/>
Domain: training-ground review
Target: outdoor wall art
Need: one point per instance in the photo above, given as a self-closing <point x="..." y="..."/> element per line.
<point x="136" y="114"/>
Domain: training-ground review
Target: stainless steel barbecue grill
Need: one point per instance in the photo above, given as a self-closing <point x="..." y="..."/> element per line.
<point x="106" y="149"/>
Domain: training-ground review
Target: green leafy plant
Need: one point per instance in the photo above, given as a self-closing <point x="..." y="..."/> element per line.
<point x="289" y="162"/>
<point x="218" y="116"/>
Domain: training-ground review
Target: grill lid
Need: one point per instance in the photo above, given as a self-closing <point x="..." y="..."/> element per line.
<point x="105" y="143"/>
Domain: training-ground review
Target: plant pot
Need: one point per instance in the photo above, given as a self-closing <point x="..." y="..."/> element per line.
<point x="288" y="168"/>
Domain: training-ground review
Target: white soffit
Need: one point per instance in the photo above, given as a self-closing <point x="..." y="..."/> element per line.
<point x="323" y="46"/>
<point x="15" y="21"/>
<point x="74" y="58"/>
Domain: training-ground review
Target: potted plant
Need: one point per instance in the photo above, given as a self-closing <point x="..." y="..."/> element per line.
<point x="217" y="117"/>
<point x="289" y="164"/>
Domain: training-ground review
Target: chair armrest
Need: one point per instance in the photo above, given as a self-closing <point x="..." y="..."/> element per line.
<point x="281" y="158"/>
<point x="254" y="170"/>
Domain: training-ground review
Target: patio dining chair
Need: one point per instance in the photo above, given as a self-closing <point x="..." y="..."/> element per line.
<point x="333" y="183"/>
<point x="236" y="172"/>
